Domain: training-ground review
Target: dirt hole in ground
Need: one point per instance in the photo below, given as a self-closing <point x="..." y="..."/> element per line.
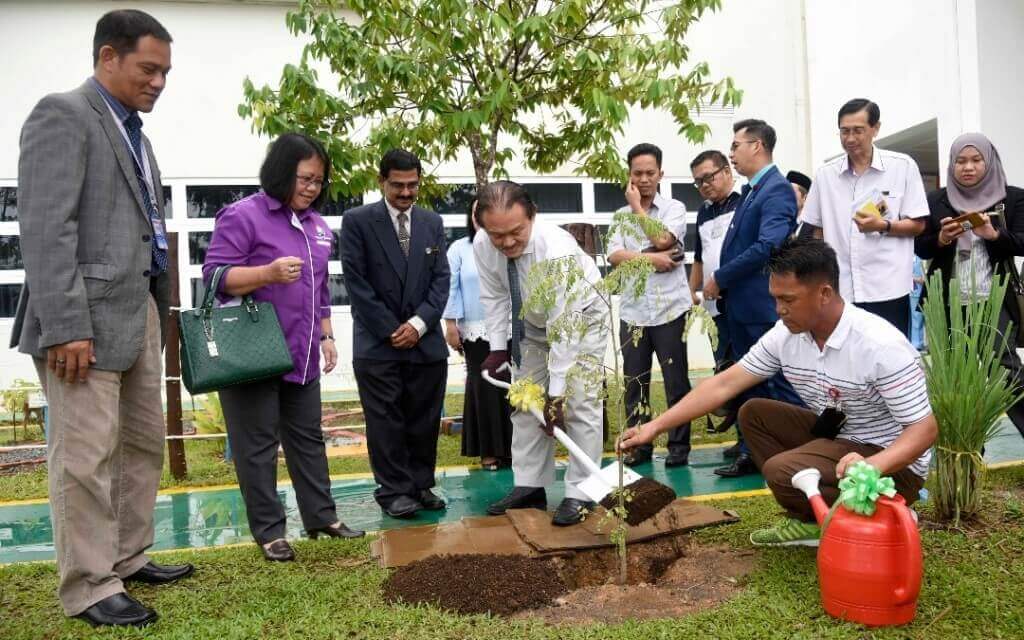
<point x="668" y="577"/>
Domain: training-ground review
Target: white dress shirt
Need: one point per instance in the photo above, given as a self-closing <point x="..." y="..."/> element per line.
<point x="547" y="242"/>
<point x="873" y="267"/>
<point x="867" y="365"/>
<point x="415" y="321"/>
<point x="667" y="295"/>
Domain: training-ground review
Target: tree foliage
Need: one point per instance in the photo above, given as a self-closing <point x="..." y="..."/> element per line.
<point x="555" y="80"/>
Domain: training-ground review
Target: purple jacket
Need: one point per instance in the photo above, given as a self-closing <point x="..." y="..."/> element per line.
<point x="256" y="231"/>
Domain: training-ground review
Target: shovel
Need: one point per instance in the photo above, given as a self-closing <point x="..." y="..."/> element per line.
<point x="601" y="482"/>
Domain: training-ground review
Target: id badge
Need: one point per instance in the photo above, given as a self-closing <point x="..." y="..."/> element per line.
<point x="159" y="234"/>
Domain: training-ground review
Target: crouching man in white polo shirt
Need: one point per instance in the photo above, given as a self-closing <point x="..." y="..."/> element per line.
<point x="858" y="374"/>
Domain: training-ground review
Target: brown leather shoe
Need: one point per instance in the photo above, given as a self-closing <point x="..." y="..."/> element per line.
<point x="336" y="530"/>
<point x="278" y="551"/>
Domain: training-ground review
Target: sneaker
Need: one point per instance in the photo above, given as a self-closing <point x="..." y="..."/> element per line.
<point x="788" y="532"/>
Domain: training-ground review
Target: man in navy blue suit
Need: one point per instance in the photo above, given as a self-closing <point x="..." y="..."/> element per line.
<point x="765" y="217"/>
<point x="396" y="272"/>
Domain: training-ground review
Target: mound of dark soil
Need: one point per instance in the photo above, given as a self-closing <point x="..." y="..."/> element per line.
<point x="649" y="497"/>
<point x="470" y="584"/>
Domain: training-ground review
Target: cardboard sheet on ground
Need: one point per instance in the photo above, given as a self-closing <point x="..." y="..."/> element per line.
<point x="529" y="532"/>
<point x="486" y="534"/>
<point x="535" y="527"/>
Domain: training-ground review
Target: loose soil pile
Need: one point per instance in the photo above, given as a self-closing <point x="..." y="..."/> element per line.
<point x="471" y="584"/>
<point x="667" y="577"/>
<point x="649" y="497"/>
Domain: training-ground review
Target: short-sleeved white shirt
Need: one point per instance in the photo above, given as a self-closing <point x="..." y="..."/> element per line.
<point x="875" y="371"/>
<point x="873" y="267"/>
<point x="667" y="295"/>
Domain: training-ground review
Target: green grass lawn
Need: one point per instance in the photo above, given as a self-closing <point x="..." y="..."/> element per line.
<point x="206" y="467"/>
<point x="973" y="588"/>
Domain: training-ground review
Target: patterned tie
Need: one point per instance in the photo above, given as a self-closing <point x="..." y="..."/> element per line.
<point x="403" y="232"/>
<point x="517" y="307"/>
<point x="133" y="126"/>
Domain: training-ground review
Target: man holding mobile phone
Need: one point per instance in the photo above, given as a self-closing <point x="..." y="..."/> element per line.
<point x="652" y="323"/>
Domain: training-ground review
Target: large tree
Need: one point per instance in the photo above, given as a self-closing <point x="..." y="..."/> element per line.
<point x="553" y="79"/>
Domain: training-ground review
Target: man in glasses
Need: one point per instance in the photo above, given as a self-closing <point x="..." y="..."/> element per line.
<point x="764" y="218"/>
<point x="716" y="184"/>
<point x="396" y="272"/>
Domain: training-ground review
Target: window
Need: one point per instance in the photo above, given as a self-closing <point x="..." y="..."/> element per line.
<point x="455" y="201"/>
<point x="686" y="193"/>
<point x="451" y="234"/>
<point x="336" y="247"/>
<point x="341" y="205"/>
<point x="167" y="202"/>
<point x="198" y="243"/>
<point x="339" y="293"/>
<point x="691" y="234"/>
<point x="608" y="197"/>
<point x="10" y="253"/>
<point x="556" y="197"/>
<point x="9" y="299"/>
<point x="205" y="202"/>
<point x="198" y="291"/>
<point x="8" y="204"/>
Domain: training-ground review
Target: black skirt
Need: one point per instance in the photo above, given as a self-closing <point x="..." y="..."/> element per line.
<point x="486" y="415"/>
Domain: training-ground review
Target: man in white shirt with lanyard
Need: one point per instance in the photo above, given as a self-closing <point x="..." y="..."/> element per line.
<point x="860" y="377"/>
<point x="876" y="252"/>
<point x="541" y="347"/>
<point x="652" y="324"/>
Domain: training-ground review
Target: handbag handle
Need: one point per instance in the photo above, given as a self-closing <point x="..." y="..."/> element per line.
<point x="211" y="293"/>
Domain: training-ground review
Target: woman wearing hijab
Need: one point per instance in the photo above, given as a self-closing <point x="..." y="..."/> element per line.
<point x="976" y="183"/>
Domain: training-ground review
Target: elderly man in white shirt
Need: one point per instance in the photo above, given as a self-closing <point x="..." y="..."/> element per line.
<point x="876" y="252"/>
<point x="539" y="347"/>
<point x="652" y="324"/>
<point x="860" y="378"/>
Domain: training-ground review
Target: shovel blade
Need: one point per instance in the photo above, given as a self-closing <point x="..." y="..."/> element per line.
<point x="599" y="485"/>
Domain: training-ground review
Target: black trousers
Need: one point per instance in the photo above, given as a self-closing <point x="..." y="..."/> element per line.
<point x="486" y="414"/>
<point x="1011" y="361"/>
<point x="665" y="341"/>
<point x="261" y="417"/>
<point x="896" y="311"/>
<point x="402" y="403"/>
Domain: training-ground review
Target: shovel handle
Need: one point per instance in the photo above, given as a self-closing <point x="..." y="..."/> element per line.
<point x="562" y="436"/>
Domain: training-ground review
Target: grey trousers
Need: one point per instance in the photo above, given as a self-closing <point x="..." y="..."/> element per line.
<point x="533" y="451"/>
<point x="105" y="455"/>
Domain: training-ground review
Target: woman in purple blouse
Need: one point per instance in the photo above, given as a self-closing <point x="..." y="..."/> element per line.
<point x="277" y="246"/>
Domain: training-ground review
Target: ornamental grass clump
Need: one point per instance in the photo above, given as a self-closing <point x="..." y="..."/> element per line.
<point x="968" y="388"/>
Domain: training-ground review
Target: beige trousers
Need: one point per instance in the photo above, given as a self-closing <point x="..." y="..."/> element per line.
<point x="105" y="456"/>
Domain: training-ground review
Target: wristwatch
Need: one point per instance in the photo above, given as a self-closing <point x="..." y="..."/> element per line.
<point x="888" y="228"/>
<point x="326" y="336"/>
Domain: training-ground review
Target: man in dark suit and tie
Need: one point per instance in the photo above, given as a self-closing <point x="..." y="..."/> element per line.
<point x="765" y="217"/>
<point x="396" y="271"/>
<point x="92" y="235"/>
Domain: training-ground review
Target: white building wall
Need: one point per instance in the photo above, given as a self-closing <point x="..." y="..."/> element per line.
<point x="1000" y="25"/>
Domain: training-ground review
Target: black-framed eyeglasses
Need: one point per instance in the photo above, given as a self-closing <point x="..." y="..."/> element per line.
<point x="703" y="180"/>
<point x="736" y="145"/>
<point x="307" y="181"/>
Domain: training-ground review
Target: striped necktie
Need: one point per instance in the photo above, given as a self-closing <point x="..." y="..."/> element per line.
<point x="517" y="308"/>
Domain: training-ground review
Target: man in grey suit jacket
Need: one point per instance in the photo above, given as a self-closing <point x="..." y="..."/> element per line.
<point x="95" y="252"/>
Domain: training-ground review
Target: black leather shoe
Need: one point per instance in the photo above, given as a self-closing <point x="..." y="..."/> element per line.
<point x="572" y="511"/>
<point x="336" y="530"/>
<point x="403" y="507"/>
<point x="520" y="498"/>
<point x="153" y="573"/>
<point x="118" y="610"/>
<point x="743" y="465"/>
<point x="677" y="460"/>
<point x="636" y="457"/>
<point x="278" y="551"/>
<point x="731" y="452"/>
<point x="430" y="501"/>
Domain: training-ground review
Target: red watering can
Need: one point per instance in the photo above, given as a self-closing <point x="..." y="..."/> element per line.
<point x="869" y="567"/>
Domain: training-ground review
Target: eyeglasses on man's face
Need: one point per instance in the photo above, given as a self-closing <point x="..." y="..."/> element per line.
<point x="736" y="144"/>
<point x="700" y="181"/>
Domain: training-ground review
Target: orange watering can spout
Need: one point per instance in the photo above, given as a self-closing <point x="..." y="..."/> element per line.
<point x="807" y="481"/>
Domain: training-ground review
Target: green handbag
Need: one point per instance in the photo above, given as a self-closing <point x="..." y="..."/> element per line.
<point x="225" y="346"/>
